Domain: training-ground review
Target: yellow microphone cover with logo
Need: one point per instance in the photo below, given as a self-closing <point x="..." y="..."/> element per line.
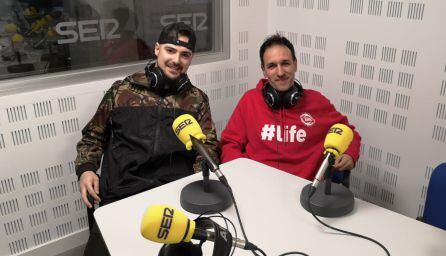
<point x="186" y="125"/>
<point x="167" y="225"/>
<point x="338" y="139"/>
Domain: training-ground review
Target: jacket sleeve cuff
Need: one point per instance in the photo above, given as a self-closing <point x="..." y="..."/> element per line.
<point x="85" y="167"/>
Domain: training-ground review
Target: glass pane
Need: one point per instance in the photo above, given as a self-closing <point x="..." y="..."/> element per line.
<point x="43" y="36"/>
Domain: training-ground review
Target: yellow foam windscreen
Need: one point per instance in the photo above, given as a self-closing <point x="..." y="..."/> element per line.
<point x="186" y="125"/>
<point x="338" y="139"/>
<point x="167" y="225"/>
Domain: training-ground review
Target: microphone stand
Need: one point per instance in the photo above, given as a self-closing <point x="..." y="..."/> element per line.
<point x="205" y="172"/>
<point x="328" y="199"/>
<point x="205" y="195"/>
<point x="183" y="248"/>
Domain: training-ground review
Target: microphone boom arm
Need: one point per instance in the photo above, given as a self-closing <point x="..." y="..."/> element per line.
<point x="198" y="145"/>
<point x="326" y="164"/>
<point x="328" y="161"/>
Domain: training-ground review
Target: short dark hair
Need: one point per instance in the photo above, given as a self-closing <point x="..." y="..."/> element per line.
<point x="276" y="39"/>
<point x="171" y="32"/>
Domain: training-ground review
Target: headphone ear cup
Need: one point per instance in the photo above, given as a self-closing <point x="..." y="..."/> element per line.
<point x="158" y="80"/>
<point x="182" y="83"/>
<point x="292" y="96"/>
<point x="156" y="77"/>
<point x="271" y="97"/>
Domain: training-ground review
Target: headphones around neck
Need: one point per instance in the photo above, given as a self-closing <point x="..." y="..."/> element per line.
<point x="276" y="100"/>
<point x="161" y="84"/>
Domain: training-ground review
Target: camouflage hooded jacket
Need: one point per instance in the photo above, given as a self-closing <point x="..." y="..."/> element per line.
<point x="132" y="130"/>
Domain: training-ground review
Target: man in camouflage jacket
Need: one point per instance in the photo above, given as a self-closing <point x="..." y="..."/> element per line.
<point x="131" y="130"/>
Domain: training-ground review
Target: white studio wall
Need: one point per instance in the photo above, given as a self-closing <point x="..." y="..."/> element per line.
<point x="40" y="206"/>
<point x="383" y="64"/>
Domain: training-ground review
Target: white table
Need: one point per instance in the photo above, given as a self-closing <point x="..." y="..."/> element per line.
<point x="268" y="200"/>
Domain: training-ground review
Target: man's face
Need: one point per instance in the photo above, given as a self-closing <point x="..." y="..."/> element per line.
<point x="173" y="60"/>
<point x="279" y="67"/>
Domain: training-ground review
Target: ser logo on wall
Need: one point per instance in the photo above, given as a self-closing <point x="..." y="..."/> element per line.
<point x="87" y="30"/>
<point x="196" y="20"/>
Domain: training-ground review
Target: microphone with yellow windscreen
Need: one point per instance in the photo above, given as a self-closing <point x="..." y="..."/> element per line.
<point x="188" y="131"/>
<point x="166" y="225"/>
<point x="186" y="126"/>
<point x="202" y="195"/>
<point x="335" y="200"/>
<point x="338" y="139"/>
<point x="336" y="142"/>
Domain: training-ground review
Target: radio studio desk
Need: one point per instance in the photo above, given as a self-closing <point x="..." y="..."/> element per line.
<point x="274" y="220"/>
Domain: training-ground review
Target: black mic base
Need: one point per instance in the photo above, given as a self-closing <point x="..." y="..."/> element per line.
<point x="195" y="200"/>
<point x="339" y="203"/>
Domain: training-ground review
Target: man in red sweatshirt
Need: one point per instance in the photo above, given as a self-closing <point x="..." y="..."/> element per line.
<point x="281" y="124"/>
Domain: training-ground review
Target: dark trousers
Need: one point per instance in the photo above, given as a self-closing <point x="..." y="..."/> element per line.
<point x="96" y="245"/>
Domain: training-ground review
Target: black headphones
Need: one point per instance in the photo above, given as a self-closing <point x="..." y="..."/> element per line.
<point x="287" y="99"/>
<point x="161" y="84"/>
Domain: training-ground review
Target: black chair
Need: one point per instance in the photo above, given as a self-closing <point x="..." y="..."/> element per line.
<point x="341" y="178"/>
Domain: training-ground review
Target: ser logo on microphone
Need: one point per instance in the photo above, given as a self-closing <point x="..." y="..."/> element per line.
<point x="336" y="130"/>
<point x="181" y="125"/>
<point x="166" y="223"/>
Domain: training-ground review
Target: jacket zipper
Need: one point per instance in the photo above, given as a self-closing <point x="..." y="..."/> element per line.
<point x="157" y="131"/>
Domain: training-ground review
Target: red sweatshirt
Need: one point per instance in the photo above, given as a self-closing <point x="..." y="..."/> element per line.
<point x="290" y="139"/>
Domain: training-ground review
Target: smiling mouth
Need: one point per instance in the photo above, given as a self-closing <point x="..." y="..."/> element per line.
<point x="282" y="79"/>
<point x="174" y="69"/>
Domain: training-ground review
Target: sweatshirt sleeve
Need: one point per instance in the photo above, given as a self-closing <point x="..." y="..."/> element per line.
<point x="95" y="136"/>
<point x="354" y="148"/>
<point x="234" y="137"/>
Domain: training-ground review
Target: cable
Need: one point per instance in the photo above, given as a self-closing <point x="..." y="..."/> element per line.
<point x="343" y="231"/>
<point x="261" y="251"/>
<point x="226" y="220"/>
<point x="291" y="253"/>
<point x="244" y="233"/>
<point x="233" y="227"/>
<point x="240" y="220"/>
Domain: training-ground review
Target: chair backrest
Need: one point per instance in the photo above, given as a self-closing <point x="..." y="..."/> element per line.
<point x="435" y="206"/>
